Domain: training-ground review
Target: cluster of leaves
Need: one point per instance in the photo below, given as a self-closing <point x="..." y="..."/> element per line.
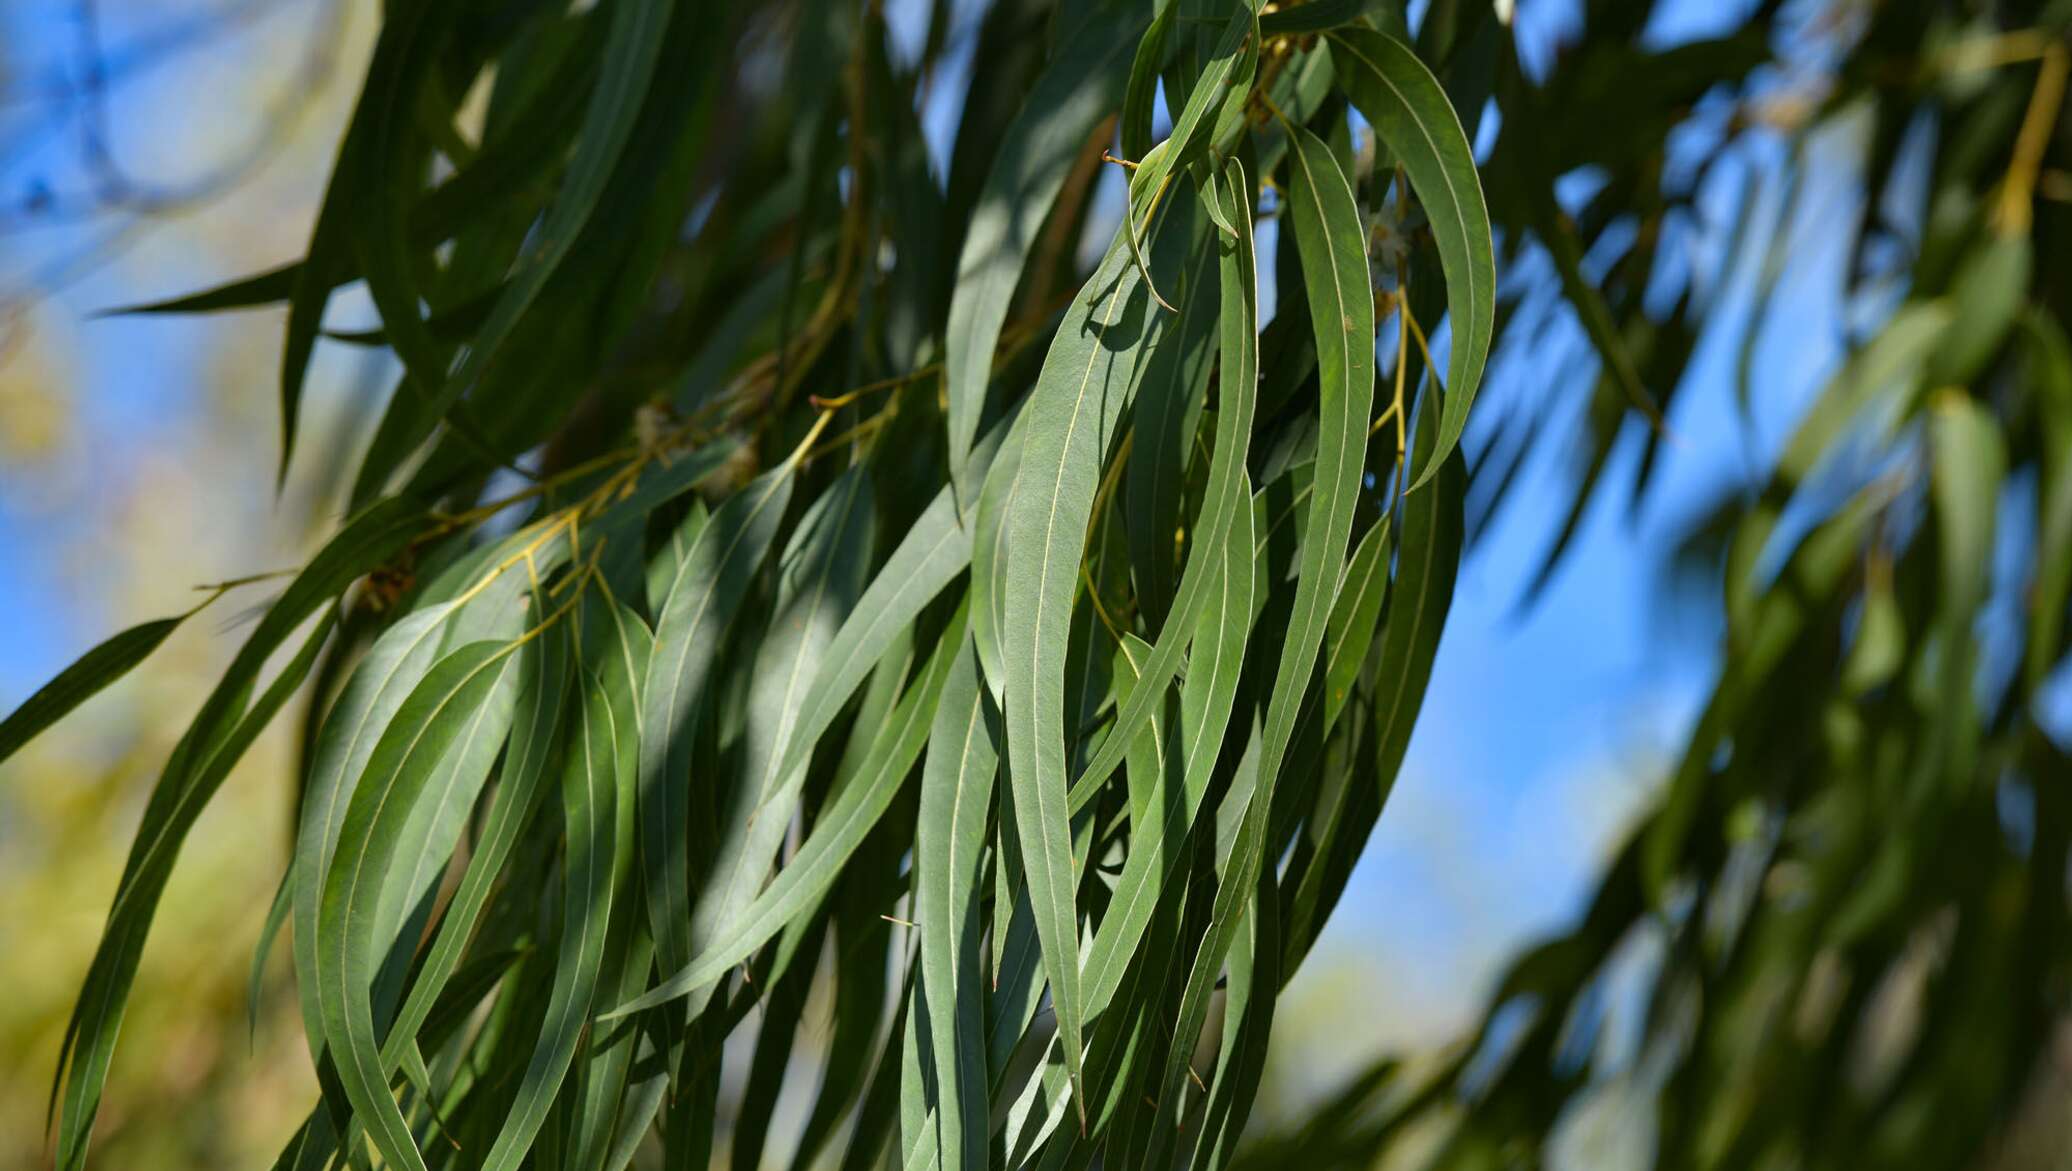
<point x="823" y="599"/>
<point x="836" y="597"/>
<point x="1841" y="939"/>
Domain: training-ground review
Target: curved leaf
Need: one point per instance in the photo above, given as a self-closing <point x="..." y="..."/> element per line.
<point x="218" y="736"/>
<point x="701" y="601"/>
<point x="1407" y="107"/>
<point x="437" y="717"/>
<point x="76" y="684"/>
<point x="819" y="575"/>
<point x="949" y="870"/>
<point x="196" y="769"/>
<point x="1075" y="91"/>
<point x="1087" y="379"/>
<point x="597" y="803"/>
<point x="837" y="833"/>
<point x="544" y="671"/>
<point x="1334" y="269"/>
<point x="1225" y="493"/>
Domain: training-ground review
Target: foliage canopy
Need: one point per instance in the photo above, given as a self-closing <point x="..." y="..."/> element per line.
<point x="778" y="555"/>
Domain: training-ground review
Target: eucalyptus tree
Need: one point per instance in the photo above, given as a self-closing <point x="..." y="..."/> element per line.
<point x="789" y="560"/>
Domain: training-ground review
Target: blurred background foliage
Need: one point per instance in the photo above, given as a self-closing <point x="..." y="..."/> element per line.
<point x="1808" y="899"/>
<point x="141" y="142"/>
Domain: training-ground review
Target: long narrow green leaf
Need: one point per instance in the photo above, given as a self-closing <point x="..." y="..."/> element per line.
<point x="432" y="721"/>
<point x="1088" y="376"/>
<point x="391" y="150"/>
<point x="276" y="918"/>
<point x="820" y="573"/>
<point x="213" y="743"/>
<point x="1421" y="596"/>
<point x="611" y="1053"/>
<point x="1142" y="90"/>
<point x="424" y="842"/>
<point x="264" y="288"/>
<point x="708" y="590"/>
<point x="837" y="833"/>
<point x="1158" y="845"/>
<point x="1248" y="1005"/>
<point x="1225" y="494"/>
<point x="198" y="767"/>
<point x="949" y="869"/>
<point x="1325" y="220"/>
<point x="1327" y="231"/>
<point x="597" y="797"/>
<point x="1409" y="110"/>
<point x="1075" y="91"/>
<point x="82" y="680"/>
<point x="1163" y="427"/>
<point x="1339" y="824"/>
<point x="542" y="699"/>
<point x="1018" y="984"/>
<point x="385" y="677"/>
<point x="481" y="599"/>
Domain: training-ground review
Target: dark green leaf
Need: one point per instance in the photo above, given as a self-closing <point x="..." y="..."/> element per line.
<point x="79" y="682"/>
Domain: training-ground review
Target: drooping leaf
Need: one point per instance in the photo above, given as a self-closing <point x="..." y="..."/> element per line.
<point x="700" y="602"/>
<point x="1420" y="597"/>
<point x="1089" y="375"/>
<point x="1162" y="427"/>
<point x="819" y="575"/>
<point x="433" y="720"/>
<point x="81" y="681"/>
<point x="836" y="835"/>
<point x="214" y="742"/>
<point x="1404" y="103"/>
<point x="374" y="695"/>
<point x="949" y="872"/>
<point x="1077" y="89"/>
<point x="198" y="766"/>
<point x="1158" y="846"/>
<point x="1327" y="230"/>
<point x="1224" y="495"/>
<point x="544" y="667"/>
<point x="597" y="797"/>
